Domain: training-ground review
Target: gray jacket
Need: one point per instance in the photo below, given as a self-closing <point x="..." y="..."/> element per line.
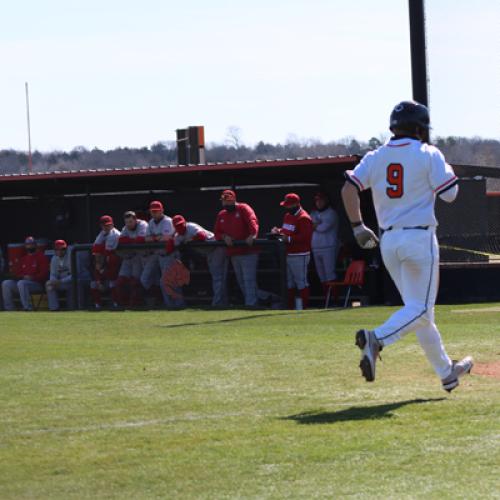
<point x="325" y="234"/>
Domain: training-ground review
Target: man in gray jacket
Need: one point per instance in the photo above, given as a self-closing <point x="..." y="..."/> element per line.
<point x="325" y="243"/>
<point x="60" y="277"/>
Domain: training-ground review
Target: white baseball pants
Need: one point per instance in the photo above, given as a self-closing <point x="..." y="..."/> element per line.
<point x="412" y="258"/>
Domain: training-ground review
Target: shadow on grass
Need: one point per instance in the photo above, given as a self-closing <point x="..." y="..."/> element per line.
<point x="356" y="412"/>
<point x="249" y="317"/>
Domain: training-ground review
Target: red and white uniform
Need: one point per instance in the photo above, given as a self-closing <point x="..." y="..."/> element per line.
<point x="194" y="232"/>
<point x="105" y="245"/>
<point x="137" y="235"/>
<point x="239" y="225"/>
<point x="298" y="228"/>
<point x="106" y="242"/>
<point x="163" y="227"/>
<point x="405" y="177"/>
<point x="128" y="283"/>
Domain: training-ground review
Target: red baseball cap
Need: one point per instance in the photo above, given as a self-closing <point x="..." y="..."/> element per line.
<point x="60" y="244"/>
<point x="156" y="205"/>
<point x="228" y="195"/>
<point x="178" y="221"/>
<point x="290" y="200"/>
<point x="106" y="220"/>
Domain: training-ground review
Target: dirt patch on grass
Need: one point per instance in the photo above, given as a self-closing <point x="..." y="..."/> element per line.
<point x="491" y="369"/>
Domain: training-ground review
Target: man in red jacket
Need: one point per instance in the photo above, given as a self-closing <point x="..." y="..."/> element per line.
<point x="237" y="221"/>
<point x="297" y="231"/>
<point x="34" y="273"/>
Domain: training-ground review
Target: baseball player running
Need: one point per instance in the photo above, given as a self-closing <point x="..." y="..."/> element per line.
<point x="129" y="278"/>
<point x="405" y="176"/>
<point x="297" y="230"/>
<point x="216" y="256"/>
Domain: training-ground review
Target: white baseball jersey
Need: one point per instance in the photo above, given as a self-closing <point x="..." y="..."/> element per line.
<point x="405" y="175"/>
<point x="60" y="267"/>
<point x="140" y="230"/>
<point x="163" y="227"/>
<point x="109" y="240"/>
<point x="192" y="229"/>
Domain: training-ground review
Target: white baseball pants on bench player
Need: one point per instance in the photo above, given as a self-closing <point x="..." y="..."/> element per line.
<point x="412" y="258"/>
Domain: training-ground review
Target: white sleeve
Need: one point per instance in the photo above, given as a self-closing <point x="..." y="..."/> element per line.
<point x="142" y="230"/>
<point x="100" y="239"/>
<point x="360" y="176"/>
<point x="112" y="240"/>
<point x="148" y="230"/>
<point x="450" y="194"/>
<point x="442" y="178"/>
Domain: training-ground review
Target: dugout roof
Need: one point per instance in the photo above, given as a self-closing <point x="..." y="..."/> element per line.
<point x="255" y="172"/>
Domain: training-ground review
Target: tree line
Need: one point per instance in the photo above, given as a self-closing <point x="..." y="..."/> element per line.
<point x="460" y="150"/>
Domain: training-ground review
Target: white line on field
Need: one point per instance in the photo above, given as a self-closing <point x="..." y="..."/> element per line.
<point x="477" y="311"/>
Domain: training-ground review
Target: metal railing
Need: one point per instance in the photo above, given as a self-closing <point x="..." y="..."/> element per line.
<point x="277" y="244"/>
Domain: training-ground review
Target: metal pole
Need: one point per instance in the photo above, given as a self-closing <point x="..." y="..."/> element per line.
<point x="74" y="278"/>
<point x="283" y="271"/>
<point x="30" y="160"/>
<point x="418" y="51"/>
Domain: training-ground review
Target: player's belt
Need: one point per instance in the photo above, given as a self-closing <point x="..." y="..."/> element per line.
<point x="390" y="228"/>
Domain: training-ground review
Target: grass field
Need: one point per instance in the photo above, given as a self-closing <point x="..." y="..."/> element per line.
<point x="241" y="404"/>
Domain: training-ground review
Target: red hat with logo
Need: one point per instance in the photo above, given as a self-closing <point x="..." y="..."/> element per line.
<point x="290" y="200"/>
<point x="228" y="195"/>
<point x="179" y="223"/>
<point x="106" y="220"/>
<point x="58" y="244"/>
<point x="156" y="205"/>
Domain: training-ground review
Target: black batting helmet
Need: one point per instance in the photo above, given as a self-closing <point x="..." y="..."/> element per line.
<point x="407" y="115"/>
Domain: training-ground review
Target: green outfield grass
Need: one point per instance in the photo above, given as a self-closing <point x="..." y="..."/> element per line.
<point x="241" y="404"/>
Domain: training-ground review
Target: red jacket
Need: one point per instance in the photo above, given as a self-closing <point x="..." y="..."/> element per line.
<point x="35" y="265"/>
<point x="239" y="225"/>
<point x="299" y="228"/>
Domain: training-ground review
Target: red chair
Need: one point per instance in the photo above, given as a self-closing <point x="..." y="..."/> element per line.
<point x="354" y="276"/>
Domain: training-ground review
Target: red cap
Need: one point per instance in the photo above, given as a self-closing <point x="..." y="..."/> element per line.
<point x="60" y="244"/>
<point x="178" y="221"/>
<point x="290" y="200"/>
<point x="106" y="220"/>
<point x="156" y="205"/>
<point x="30" y="240"/>
<point x="228" y="195"/>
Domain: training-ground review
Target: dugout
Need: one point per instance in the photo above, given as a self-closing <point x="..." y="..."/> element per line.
<point x="68" y="204"/>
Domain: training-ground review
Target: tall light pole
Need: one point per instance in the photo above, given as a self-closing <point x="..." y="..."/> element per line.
<point x="418" y="51"/>
<point x="30" y="160"/>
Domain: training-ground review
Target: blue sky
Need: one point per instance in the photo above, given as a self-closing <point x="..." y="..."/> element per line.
<point x="125" y="73"/>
